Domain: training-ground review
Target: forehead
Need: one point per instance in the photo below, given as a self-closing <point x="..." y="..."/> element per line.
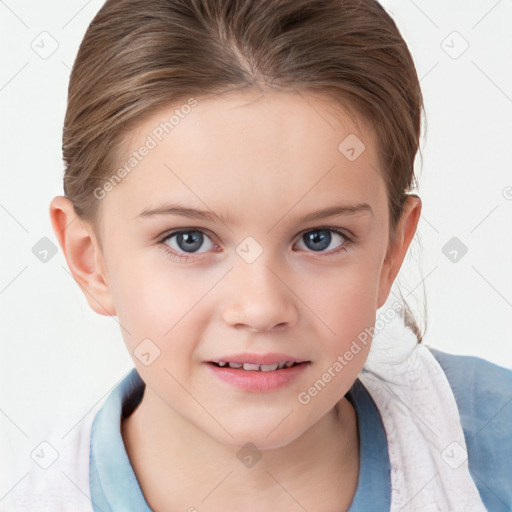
<point x="244" y="153"/>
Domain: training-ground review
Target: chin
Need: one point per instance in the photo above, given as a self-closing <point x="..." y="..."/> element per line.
<point x="263" y="437"/>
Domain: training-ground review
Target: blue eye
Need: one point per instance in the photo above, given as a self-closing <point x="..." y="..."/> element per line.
<point x="320" y="239"/>
<point x="186" y="241"/>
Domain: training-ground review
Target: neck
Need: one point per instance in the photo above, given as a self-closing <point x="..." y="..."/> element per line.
<point x="180" y="467"/>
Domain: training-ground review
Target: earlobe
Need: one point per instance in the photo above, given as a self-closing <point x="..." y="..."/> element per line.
<point x="83" y="255"/>
<point x="397" y="249"/>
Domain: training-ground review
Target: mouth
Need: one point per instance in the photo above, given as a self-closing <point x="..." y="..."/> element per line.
<point x="254" y="367"/>
<point x="258" y="373"/>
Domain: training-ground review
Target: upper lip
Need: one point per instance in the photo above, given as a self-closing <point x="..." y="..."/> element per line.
<point x="270" y="358"/>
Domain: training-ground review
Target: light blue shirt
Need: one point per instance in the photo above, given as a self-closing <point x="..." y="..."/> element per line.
<point x="482" y="390"/>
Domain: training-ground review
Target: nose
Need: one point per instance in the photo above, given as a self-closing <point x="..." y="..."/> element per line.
<point x="258" y="298"/>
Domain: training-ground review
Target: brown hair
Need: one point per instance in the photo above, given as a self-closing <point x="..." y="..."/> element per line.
<point x="139" y="56"/>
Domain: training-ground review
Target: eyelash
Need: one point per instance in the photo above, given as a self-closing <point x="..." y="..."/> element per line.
<point x="349" y="240"/>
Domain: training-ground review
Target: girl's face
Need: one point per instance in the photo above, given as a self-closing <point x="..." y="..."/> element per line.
<point x="260" y="271"/>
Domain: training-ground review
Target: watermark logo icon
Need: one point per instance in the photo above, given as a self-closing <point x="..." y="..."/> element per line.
<point x="249" y="249"/>
<point x="44" y="455"/>
<point x="146" y="352"/>
<point x="45" y="45"/>
<point x="351" y="147"/>
<point x="454" y="45"/>
<point x="454" y="455"/>
<point x="454" y="249"/>
<point x="44" y="250"/>
<point x="249" y="455"/>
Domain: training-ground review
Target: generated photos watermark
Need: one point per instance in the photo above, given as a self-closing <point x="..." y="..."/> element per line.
<point x="362" y="339"/>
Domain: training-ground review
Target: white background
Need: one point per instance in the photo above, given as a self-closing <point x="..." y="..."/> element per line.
<point x="58" y="358"/>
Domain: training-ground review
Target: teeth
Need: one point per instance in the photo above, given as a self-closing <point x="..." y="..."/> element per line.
<point x="258" y="367"/>
<point x="250" y="366"/>
<point x="269" y="367"/>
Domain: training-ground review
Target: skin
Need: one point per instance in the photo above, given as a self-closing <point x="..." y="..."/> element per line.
<point x="266" y="160"/>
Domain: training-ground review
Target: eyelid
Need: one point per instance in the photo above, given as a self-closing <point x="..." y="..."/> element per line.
<point x="349" y="236"/>
<point x="162" y="238"/>
<point x="161" y="242"/>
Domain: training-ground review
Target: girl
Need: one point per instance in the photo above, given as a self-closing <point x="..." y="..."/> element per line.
<point x="237" y="194"/>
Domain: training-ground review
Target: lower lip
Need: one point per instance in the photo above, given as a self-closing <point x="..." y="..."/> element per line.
<point x="258" y="381"/>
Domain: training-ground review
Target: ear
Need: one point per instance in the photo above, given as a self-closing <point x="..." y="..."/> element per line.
<point x="397" y="249"/>
<point x="83" y="255"/>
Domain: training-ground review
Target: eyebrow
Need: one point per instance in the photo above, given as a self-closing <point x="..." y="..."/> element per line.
<point x="192" y="213"/>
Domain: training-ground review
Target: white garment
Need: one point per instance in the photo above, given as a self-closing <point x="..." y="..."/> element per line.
<point x="64" y="485"/>
<point x="427" y="450"/>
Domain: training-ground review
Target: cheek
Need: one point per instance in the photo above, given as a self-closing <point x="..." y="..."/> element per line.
<point x="346" y="307"/>
<point x="151" y="309"/>
<point x="145" y="301"/>
<point x="155" y="301"/>
<point x="347" y="295"/>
